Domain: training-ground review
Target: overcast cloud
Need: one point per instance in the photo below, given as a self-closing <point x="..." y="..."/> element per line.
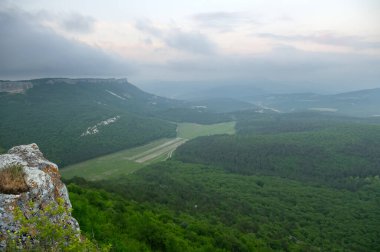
<point x="328" y="38"/>
<point x="29" y="49"/>
<point x="78" y="23"/>
<point x="194" y="43"/>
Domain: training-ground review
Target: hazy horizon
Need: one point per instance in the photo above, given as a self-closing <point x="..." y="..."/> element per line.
<point x="324" y="46"/>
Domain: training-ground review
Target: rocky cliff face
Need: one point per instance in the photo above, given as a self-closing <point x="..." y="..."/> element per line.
<point x="43" y="187"/>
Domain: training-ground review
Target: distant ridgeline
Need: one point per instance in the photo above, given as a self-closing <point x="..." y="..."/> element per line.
<point x="77" y="119"/>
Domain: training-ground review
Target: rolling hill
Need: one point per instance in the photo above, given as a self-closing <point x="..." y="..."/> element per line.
<point x="295" y="182"/>
<point x="77" y="119"/>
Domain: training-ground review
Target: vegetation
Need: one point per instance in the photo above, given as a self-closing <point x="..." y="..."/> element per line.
<point x="281" y="182"/>
<point x="195" y="115"/>
<point x="105" y="167"/>
<point x="321" y="193"/>
<point x="55" y="115"/>
<point x="171" y="205"/>
<point x="12" y="180"/>
<point x="124" y="163"/>
<point x="337" y="154"/>
<point x="193" y="130"/>
<point x="56" y="112"/>
<point x="250" y="122"/>
<point x="131" y="226"/>
<point x="2" y="150"/>
<point x="39" y="233"/>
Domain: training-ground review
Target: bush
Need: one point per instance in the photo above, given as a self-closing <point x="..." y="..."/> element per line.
<point x="39" y="233"/>
<point x="12" y="180"/>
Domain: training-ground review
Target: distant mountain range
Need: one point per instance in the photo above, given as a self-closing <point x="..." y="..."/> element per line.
<point x="362" y="103"/>
<point x="77" y="119"/>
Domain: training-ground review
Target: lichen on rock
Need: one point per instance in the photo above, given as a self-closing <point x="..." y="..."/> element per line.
<point x="45" y="188"/>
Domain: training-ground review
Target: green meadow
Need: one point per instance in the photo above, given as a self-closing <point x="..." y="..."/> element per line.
<point x="128" y="161"/>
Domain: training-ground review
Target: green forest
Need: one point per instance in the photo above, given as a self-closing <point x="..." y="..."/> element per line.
<point x="293" y="187"/>
<point x="305" y="181"/>
<point x="341" y="155"/>
<point x="56" y="112"/>
<point x="173" y="206"/>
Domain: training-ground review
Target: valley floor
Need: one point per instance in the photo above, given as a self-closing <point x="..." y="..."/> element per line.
<point x="128" y="161"/>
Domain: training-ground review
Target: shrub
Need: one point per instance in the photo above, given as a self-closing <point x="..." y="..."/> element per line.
<point x="12" y="180"/>
<point x="39" y="233"/>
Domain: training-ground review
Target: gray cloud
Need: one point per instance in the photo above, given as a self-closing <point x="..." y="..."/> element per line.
<point x="192" y="42"/>
<point x="286" y="67"/>
<point x="355" y="42"/>
<point x="78" y="23"/>
<point x="29" y="49"/>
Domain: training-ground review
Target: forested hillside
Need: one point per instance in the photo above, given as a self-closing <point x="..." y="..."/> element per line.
<point x="308" y="182"/>
<point x="73" y="120"/>
<point x="283" y="182"/>
<point x="76" y="119"/>
<point x="253" y="126"/>
<point x="174" y="206"/>
<point x="333" y="152"/>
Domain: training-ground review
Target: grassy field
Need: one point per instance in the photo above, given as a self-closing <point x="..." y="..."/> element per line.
<point x="112" y="165"/>
<point x="193" y="130"/>
<point x="129" y="160"/>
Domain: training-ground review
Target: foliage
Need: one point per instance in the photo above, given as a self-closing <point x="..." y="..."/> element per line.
<point x="206" y="207"/>
<point x="12" y="179"/>
<point x="193" y="130"/>
<point x="340" y="155"/>
<point x="201" y="116"/>
<point x="285" y="182"/>
<point x="54" y="114"/>
<point x="2" y="150"/>
<point x="322" y="193"/>
<point x="251" y="122"/>
<point x="123" y="162"/>
<point x="48" y="229"/>
<point x="131" y="226"/>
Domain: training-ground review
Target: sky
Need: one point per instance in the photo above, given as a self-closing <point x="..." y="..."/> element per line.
<point x="325" y="45"/>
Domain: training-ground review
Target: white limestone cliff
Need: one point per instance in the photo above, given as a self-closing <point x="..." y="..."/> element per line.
<point x="44" y="185"/>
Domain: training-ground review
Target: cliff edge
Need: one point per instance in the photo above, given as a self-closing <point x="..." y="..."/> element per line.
<point x="30" y="183"/>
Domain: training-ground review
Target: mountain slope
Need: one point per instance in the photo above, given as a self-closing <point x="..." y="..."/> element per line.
<point x="73" y="120"/>
<point x="76" y="119"/>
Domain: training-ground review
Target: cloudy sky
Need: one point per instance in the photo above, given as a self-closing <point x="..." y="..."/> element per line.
<point x="312" y="45"/>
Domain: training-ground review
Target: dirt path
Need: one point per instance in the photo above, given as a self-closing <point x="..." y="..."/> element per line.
<point x="167" y="147"/>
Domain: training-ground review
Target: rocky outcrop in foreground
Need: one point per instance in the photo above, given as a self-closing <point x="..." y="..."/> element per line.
<point x="40" y="187"/>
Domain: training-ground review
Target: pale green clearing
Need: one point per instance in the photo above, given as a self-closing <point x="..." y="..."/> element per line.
<point x="127" y="161"/>
<point x="193" y="130"/>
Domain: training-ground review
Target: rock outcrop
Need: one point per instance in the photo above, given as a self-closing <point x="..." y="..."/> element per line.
<point x="44" y="188"/>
